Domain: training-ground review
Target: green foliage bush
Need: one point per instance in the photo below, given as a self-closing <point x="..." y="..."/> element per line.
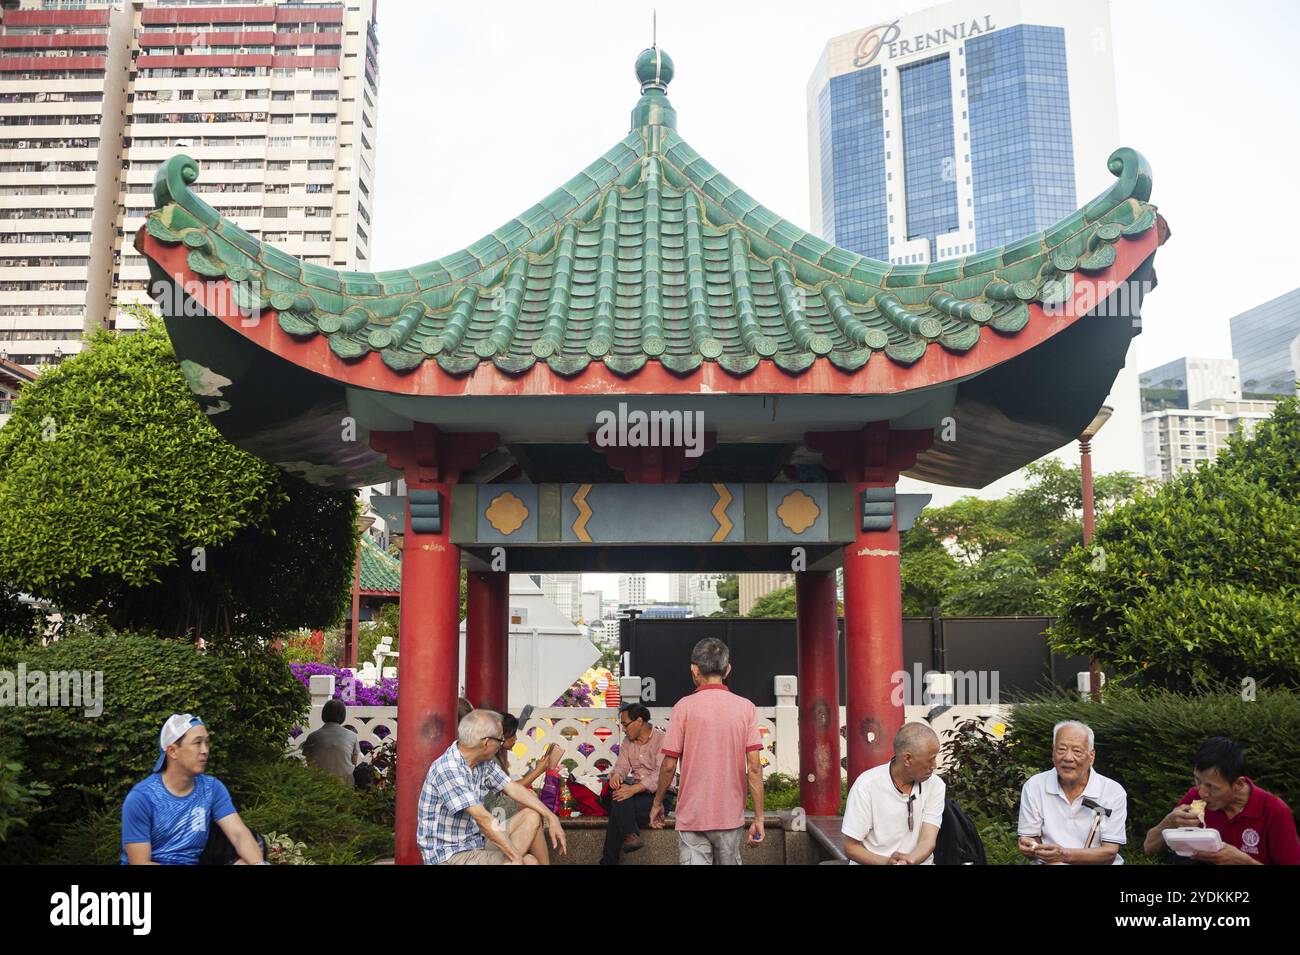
<point x="1198" y="583"/>
<point x="982" y="771"/>
<point x="111" y="475"/>
<point x="335" y="821"/>
<point x="93" y="839"/>
<point x="1146" y="740"/>
<point x="249" y="700"/>
<point x="18" y="792"/>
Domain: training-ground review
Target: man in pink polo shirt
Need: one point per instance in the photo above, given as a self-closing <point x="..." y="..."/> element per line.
<point x="714" y="735"/>
<point x="1256" y="827"/>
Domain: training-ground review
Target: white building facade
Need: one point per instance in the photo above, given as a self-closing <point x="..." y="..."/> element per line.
<point x="631" y="590"/>
<point x="1176" y="440"/>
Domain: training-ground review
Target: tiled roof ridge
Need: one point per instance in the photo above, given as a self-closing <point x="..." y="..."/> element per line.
<point x="650" y="253"/>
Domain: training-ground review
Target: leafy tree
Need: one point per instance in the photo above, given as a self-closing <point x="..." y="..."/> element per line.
<point x="990" y="557"/>
<point x="778" y="603"/>
<point x="926" y="568"/>
<point x="781" y="603"/>
<point x="1199" y="582"/>
<point x="121" y="499"/>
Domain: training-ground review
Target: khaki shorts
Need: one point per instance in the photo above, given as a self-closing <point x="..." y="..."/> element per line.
<point x="712" y="847"/>
<point x="490" y="855"/>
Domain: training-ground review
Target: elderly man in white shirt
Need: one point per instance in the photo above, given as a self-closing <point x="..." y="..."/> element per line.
<point x="894" y="811"/>
<point x="1072" y="814"/>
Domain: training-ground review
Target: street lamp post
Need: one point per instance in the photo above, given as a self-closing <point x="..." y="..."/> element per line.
<point x="1090" y="518"/>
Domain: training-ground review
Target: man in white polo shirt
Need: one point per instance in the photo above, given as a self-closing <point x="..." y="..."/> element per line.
<point x="1072" y="814"/>
<point x="894" y="811"/>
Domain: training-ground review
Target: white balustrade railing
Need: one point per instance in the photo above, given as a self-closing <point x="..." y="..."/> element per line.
<point x="589" y="735"/>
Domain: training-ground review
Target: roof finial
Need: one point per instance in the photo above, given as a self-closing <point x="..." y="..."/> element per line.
<point x="654" y="69"/>
<point x="654" y="28"/>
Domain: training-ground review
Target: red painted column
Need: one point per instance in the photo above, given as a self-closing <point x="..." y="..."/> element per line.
<point x="487" y="640"/>
<point x="873" y="644"/>
<point x="816" y="626"/>
<point x="871" y="457"/>
<point x="428" y="667"/>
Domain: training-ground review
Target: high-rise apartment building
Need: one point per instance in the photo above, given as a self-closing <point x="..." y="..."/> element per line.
<point x="631" y="590"/>
<point x="63" y="80"/>
<point x="1261" y="343"/>
<point x="565" y="591"/>
<point x="964" y="127"/>
<point x="278" y="103"/>
<point x="1177" y="439"/>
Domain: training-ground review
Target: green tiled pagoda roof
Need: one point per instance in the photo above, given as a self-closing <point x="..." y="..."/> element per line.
<point x="380" y="573"/>
<point x="651" y="254"/>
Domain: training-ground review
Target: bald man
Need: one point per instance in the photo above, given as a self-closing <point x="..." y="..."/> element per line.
<point x="894" y="811"/>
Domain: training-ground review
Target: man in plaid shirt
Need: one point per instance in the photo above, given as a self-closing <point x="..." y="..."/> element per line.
<point x="452" y="818"/>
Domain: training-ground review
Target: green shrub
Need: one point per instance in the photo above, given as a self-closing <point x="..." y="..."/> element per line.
<point x="1209" y="633"/>
<point x="1145" y="742"/>
<point x="249" y="701"/>
<point x="95" y="839"/>
<point x="780" y="791"/>
<point x="334" y="820"/>
<point x="18" y="793"/>
<point x="983" y="771"/>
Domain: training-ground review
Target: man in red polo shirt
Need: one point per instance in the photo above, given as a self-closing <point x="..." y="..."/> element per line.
<point x="1256" y="827"/>
<point x="714" y="734"/>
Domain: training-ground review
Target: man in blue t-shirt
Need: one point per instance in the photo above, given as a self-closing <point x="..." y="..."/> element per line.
<point x="166" y="818"/>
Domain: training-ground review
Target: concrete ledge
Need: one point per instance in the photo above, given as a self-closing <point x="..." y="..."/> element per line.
<point x="826" y="832"/>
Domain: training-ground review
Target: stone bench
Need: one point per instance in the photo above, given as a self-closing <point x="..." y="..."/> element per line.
<point x="829" y="837"/>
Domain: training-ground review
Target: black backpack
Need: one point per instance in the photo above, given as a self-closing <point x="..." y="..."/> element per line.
<point x="959" y="841"/>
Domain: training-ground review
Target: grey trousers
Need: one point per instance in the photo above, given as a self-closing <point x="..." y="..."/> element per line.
<point x="711" y="847"/>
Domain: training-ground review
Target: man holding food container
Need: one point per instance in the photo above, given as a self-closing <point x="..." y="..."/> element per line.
<point x="1225" y="819"/>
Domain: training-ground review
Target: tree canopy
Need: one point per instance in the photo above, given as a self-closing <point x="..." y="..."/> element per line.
<point x="121" y="499"/>
<point x="1198" y="583"/>
<point x="979" y="556"/>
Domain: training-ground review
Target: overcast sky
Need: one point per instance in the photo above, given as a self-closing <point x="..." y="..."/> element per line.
<point x="486" y="107"/>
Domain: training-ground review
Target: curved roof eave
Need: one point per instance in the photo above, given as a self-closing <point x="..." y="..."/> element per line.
<point x="648" y="257"/>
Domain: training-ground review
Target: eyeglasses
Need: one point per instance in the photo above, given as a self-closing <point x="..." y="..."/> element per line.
<point x="910" y="799"/>
<point x="499" y="739"/>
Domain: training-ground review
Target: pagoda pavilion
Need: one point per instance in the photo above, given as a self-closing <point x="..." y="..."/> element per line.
<point x="650" y="280"/>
